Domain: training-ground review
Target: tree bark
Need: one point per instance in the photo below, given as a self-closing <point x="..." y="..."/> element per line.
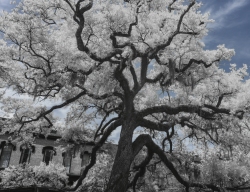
<point x="120" y="172"/>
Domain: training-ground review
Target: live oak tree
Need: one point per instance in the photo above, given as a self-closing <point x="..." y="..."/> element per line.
<point x="123" y="64"/>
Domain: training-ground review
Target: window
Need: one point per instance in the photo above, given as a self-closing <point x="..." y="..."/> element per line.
<point x="48" y="153"/>
<point x="85" y="158"/>
<point x="67" y="157"/>
<point x="197" y="161"/>
<point x="26" y="153"/>
<point x="5" y="154"/>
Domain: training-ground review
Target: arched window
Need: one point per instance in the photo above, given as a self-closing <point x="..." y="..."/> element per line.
<point x="5" y="153"/>
<point x="67" y="158"/>
<point x="48" y="153"/>
<point x="85" y="158"/>
<point x="26" y="151"/>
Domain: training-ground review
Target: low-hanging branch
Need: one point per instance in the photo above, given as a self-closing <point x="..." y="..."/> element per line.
<point x="155" y="126"/>
<point x="199" y="110"/>
<point x="141" y="169"/>
<point x="149" y="143"/>
<point x="97" y="146"/>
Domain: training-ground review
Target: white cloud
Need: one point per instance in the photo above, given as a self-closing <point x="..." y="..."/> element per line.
<point x="222" y="13"/>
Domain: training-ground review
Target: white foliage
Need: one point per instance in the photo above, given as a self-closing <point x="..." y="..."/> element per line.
<point x="52" y="175"/>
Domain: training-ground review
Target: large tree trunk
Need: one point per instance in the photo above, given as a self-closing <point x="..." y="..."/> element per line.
<point x="124" y="157"/>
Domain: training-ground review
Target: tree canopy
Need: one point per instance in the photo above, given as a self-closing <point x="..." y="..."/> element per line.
<point x="136" y="65"/>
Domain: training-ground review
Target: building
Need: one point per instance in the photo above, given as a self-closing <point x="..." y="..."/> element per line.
<point x="45" y="149"/>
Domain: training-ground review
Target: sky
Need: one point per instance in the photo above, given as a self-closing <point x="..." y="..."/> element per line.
<point x="231" y="27"/>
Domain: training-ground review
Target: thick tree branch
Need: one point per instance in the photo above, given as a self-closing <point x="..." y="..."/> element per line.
<point x="170" y="6"/>
<point x="102" y="128"/>
<point x="221" y="97"/>
<point x="88" y="72"/>
<point x="172" y="110"/>
<point x="156" y="79"/>
<point x="128" y="34"/>
<point x="153" y="52"/>
<point x="71" y="6"/>
<point x="31" y="66"/>
<point x="193" y="126"/>
<point x="138" y="143"/>
<point x="79" y="13"/>
<point x="217" y="110"/>
<point x="152" y="146"/>
<point x="144" y="69"/>
<point x="142" y="169"/>
<point x="148" y="142"/>
<point x="155" y="126"/>
<point x="100" y="97"/>
<point x="97" y="146"/>
<point x="118" y="73"/>
<point x="199" y="110"/>
<point x="191" y="61"/>
<point x="143" y="75"/>
<point x="132" y="71"/>
<point x="81" y="10"/>
<point x="168" y="137"/>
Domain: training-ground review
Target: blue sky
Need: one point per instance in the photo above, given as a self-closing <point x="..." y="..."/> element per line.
<point x="231" y="27"/>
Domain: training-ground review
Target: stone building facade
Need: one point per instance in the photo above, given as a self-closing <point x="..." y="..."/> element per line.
<point x="45" y="150"/>
<point x="41" y="149"/>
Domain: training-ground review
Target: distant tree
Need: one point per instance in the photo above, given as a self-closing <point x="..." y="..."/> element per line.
<point x="124" y="64"/>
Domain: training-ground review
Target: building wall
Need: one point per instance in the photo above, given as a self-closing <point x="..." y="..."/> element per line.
<point x="37" y="157"/>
